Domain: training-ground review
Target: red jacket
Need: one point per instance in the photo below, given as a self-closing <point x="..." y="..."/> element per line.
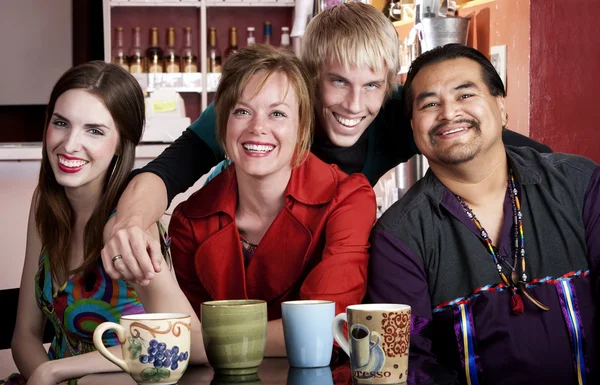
<point x="316" y="248"/>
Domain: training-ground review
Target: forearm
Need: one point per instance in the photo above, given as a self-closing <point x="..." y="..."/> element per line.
<point x="84" y="364"/>
<point x="28" y="354"/>
<point x="143" y="202"/>
<point x="275" y="341"/>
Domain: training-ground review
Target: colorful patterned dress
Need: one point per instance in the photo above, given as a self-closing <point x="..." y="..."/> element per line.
<point x="85" y="301"/>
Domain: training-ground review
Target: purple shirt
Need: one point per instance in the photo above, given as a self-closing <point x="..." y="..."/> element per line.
<point x="427" y="253"/>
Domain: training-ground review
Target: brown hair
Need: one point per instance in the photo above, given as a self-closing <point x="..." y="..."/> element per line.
<point x="124" y="99"/>
<point x="355" y="34"/>
<point x="239" y="68"/>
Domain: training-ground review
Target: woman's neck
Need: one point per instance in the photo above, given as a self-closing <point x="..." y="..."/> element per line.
<point x="262" y="197"/>
<point x="83" y="201"/>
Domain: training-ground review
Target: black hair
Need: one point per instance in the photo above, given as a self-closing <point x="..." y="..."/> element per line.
<point x="448" y="52"/>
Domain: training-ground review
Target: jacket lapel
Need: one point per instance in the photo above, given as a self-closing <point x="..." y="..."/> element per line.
<point x="220" y="265"/>
<point x="288" y="241"/>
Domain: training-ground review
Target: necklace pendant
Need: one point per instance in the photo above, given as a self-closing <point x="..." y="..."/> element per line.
<point x="514" y="278"/>
<point x="535" y="301"/>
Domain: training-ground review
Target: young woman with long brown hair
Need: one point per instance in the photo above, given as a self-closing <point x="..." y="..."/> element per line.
<point x="95" y="118"/>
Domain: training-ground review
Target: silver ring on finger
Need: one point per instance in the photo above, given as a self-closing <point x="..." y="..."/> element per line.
<point x="116" y="258"/>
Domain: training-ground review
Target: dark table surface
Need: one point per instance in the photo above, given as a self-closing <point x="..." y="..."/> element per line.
<point x="272" y="371"/>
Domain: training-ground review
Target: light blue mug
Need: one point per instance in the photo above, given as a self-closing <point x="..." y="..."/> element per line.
<point x="307" y="332"/>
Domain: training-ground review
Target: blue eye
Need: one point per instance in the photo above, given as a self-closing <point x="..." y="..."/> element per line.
<point x="338" y="82"/>
<point x="372" y="86"/>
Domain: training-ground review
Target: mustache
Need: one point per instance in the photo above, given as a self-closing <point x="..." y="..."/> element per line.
<point x="440" y="126"/>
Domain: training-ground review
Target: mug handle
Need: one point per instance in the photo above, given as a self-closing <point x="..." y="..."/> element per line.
<point x="338" y="331"/>
<point x="375" y="334"/>
<point x="102" y="349"/>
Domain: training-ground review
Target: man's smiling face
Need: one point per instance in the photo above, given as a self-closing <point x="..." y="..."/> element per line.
<point x="348" y="101"/>
<point x="455" y="117"/>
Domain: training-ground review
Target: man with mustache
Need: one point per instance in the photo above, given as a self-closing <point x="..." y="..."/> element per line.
<point x="497" y="248"/>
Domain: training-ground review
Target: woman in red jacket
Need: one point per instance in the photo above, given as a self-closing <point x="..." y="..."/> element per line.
<point x="278" y="224"/>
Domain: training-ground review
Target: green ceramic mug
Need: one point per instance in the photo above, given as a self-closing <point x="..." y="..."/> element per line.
<point x="235" y="335"/>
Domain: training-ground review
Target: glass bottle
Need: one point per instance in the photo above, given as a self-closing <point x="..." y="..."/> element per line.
<point x="214" y="54"/>
<point x="137" y="61"/>
<point x="285" y="38"/>
<point x="118" y="56"/>
<point x="189" y="61"/>
<point x="250" y="40"/>
<point x="267" y="32"/>
<point x="233" y="45"/>
<point x="171" y="58"/>
<point x="154" y="53"/>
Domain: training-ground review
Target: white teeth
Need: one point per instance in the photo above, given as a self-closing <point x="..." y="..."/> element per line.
<point x="71" y="163"/>
<point x="258" y="147"/>
<point x="453" y="131"/>
<point x="347" y="122"/>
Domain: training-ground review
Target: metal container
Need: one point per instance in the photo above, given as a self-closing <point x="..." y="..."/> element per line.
<point x="440" y="31"/>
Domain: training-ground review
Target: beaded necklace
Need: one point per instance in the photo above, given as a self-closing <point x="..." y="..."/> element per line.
<point x="517" y="280"/>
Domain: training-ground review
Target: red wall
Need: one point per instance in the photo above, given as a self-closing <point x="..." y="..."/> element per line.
<point x="565" y="76"/>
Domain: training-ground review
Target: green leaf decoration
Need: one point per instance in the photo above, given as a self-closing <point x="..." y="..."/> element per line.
<point x="164" y="373"/>
<point x="135" y="348"/>
<point x="149" y="374"/>
<point x="135" y="342"/>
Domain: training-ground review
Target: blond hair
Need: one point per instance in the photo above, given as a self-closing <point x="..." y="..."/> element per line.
<point x="356" y="35"/>
<point x="238" y="70"/>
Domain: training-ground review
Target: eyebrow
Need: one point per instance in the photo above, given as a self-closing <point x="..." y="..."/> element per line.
<point x="428" y="94"/>
<point x="336" y="75"/>
<point x="272" y="105"/>
<point x="90" y="125"/>
<point x="466" y="85"/>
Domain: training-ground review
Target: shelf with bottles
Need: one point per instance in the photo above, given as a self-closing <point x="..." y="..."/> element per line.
<point x="198" y="3"/>
<point x="200" y="19"/>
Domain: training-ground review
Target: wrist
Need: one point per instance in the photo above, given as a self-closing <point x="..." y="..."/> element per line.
<point x="51" y="370"/>
<point x="131" y="221"/>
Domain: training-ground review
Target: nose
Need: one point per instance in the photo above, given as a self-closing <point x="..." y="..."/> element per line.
<point x="258" y="126"/>
<point x="352" y="102"/>
<point x="72" y="141"/>
<point x="450" y="110"/>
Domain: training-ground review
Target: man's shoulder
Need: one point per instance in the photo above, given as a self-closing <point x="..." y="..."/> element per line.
<point x="416" y="206"/>
<point x="551" y="165"/>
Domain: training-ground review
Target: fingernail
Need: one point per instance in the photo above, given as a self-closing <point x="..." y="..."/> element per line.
<point x="150" y="275"/>
<point x="145" y="282"/>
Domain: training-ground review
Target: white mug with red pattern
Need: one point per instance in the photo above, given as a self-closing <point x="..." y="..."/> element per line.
<point x="379" y="338"/>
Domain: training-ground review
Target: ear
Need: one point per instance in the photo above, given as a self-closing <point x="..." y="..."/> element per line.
<point x="501" y="102"/>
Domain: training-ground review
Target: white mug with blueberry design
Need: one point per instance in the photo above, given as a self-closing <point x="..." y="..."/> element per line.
<point x="155" y="346"/>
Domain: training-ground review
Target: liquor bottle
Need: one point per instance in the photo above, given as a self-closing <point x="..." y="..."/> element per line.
<point x="233" y="45"/>
<point x="118" y="56"/>
<point x="154" y="53"/>
<point x="250" y="40"/>
<point x="189" y="61"/>
<point x="137" y="61"/>
<point x="214" y="54"/>
<point x="172" y="60"/>
<point x="285" y="38"/>
<point x="267" y="31"/>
